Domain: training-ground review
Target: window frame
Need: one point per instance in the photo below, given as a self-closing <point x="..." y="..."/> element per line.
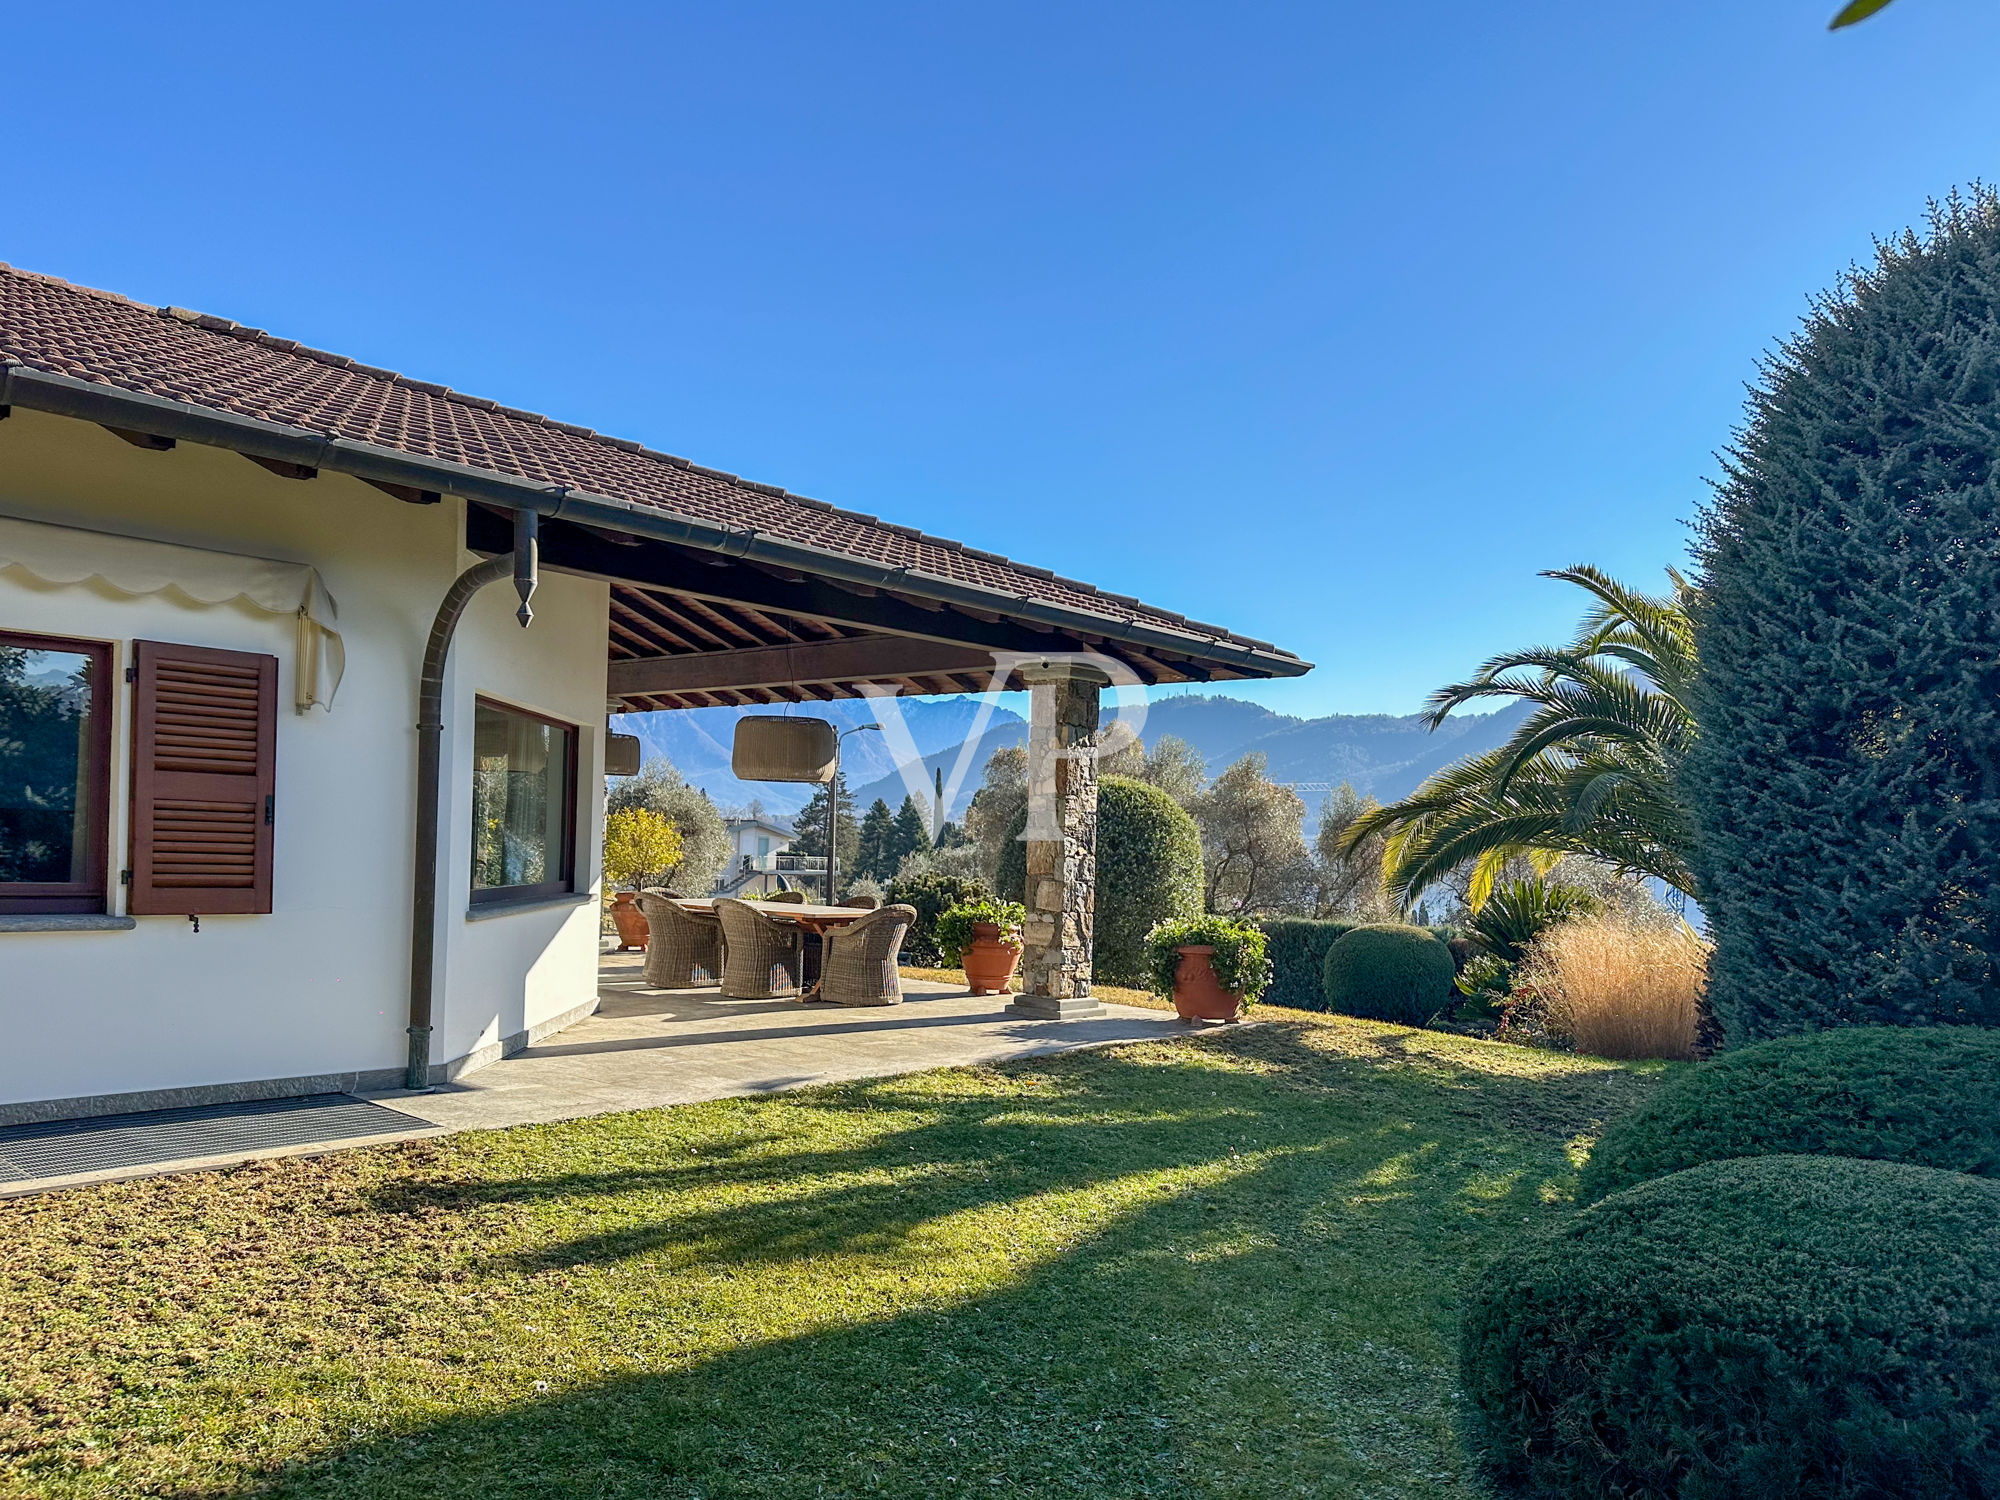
<point x="89" y="896"/>
<point x="565" y="884"/>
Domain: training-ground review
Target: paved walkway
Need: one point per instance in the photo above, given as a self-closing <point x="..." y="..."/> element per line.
<point x="642" y="1049"/>
<point x="648" y="1047"/>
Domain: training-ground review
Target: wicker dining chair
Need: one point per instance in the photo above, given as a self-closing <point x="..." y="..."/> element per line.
<point x="860" y="966"/>
<point x="797" y="898"/>
<point x="686" y="948"/>
<point x="866" y="903"/>
<point x="762" y="958"/>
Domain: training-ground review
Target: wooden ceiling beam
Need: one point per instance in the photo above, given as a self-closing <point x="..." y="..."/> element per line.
<point x="848" y="660"/>
<point x="631" y="604"/>
<point x="659" y="568"/>
<point x="718" y="614"/>
<point x="692" y="627"/>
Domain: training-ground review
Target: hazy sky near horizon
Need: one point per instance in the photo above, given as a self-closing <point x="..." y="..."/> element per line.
<point x="1332" y="323"/>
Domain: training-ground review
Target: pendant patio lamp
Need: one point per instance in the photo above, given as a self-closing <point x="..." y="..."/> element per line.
<point x="771" y="747"/>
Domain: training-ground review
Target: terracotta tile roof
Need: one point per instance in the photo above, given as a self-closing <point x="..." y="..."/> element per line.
<point x="180" y="355"/>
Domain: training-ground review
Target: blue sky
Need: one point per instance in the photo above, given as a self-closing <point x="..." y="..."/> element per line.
<point x="1329" y="322"/>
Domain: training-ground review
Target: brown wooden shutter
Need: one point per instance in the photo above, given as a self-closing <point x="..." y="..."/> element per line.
<point x="204" y="753"/>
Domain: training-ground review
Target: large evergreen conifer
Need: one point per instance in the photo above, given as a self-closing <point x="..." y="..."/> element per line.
<point x="1847" y="779"/>
<point x="875" y="852"/>
<point x="913" y="834"/>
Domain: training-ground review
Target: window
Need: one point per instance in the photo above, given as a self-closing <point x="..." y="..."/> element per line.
<point x="55" y="754"/>
<point x="523" y="801"/>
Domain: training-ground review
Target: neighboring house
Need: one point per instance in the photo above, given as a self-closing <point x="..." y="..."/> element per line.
<point x="222" y="556"/>
<point x="755" y="844"/>
<point x="761" y="861"/>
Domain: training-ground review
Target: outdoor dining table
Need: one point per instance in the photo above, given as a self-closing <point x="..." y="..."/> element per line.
<point x="818" y="920"/>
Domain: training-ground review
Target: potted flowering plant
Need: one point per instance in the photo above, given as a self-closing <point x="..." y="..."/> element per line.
<point x="639" y="845"/>
<point x="984" y="937"/>
<point x="1212" y="967"/>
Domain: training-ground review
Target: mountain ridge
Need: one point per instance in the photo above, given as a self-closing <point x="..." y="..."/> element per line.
<point x="1385" y="756"/>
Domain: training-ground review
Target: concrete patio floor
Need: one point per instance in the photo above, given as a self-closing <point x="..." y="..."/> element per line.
<point x="646" y="1047"/>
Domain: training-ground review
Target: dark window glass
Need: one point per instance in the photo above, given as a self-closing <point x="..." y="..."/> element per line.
<point x="54" y="749"/>
<point x="523" y="790"/>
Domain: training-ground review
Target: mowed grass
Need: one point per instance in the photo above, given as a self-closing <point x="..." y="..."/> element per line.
<point x="1221" y="1266"/>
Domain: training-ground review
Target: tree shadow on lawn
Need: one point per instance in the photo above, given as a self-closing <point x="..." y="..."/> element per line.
<point x="1110" y="1286"/>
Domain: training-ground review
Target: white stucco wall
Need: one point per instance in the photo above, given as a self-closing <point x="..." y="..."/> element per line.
<point x="318" y="987"/>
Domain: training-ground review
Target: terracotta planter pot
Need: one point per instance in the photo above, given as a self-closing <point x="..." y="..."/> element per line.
<point x="1198" y="994"/>
<point x="989" y="963"/>
<point x="633" y="931"/>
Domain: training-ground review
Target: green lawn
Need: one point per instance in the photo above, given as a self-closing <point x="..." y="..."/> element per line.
<point x="1220" y="1266"/>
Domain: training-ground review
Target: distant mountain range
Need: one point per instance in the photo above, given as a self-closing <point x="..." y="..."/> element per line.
<point x="1384" y="756"/>
<point x="697" y="741"/>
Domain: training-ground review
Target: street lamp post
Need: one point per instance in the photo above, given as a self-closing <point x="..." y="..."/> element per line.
<point x="833" y="806"/>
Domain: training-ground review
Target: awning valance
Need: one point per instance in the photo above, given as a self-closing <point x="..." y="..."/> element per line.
<point x="65" y="555"/>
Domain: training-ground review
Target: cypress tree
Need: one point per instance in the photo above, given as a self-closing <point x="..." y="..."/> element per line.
<point x="1846" y="783"/>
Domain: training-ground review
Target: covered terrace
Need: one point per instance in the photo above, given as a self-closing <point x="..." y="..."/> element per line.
<point x="721" y="590"/>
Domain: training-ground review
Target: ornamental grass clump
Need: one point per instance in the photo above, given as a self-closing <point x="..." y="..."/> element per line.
<point x="1928" y="1095"/>
<point x="1615" y="988"/>
<point x="1783" y="1326"/>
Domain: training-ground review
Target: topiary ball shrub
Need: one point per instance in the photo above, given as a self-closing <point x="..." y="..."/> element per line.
<point x="1148" y="872"/>
<point x="1784" y="1326"/>
<point x="1389" y="972"/>
<point x="932" y="896"/>
<point x="1297" y="948"/>
<point x="1928" y="1095"/>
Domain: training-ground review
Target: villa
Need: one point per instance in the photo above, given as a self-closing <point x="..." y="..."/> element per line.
<point x="291" y="802"/>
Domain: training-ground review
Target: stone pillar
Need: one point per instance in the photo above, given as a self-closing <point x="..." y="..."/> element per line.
<point x="1062" y="842"/>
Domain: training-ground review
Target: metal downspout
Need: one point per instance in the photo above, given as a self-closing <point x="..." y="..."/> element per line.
<point x="522" y="564"/>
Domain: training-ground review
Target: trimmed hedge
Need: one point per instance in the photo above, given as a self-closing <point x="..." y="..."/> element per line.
<point x="1928" y="1095"/>
<point x="1297" y="948"/>
<point x="932" y="895"/>
<point x="1784" y="1326"/>
<point x="1148" y="870"/>
<point x="1389" y="972"/>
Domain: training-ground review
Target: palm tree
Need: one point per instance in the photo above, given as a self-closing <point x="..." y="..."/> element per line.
<point x="1590" y="771"/>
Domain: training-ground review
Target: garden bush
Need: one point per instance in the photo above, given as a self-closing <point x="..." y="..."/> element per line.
<point x="1297" y="946"/>
<point x="1928" y="1095"/>
<point x="1148" y="871"/>
<point x="1843" y="784"/>
<point x="1785" y="1326"/>
<point x="1388" y="972"/>
<point x="932" y="895"/>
